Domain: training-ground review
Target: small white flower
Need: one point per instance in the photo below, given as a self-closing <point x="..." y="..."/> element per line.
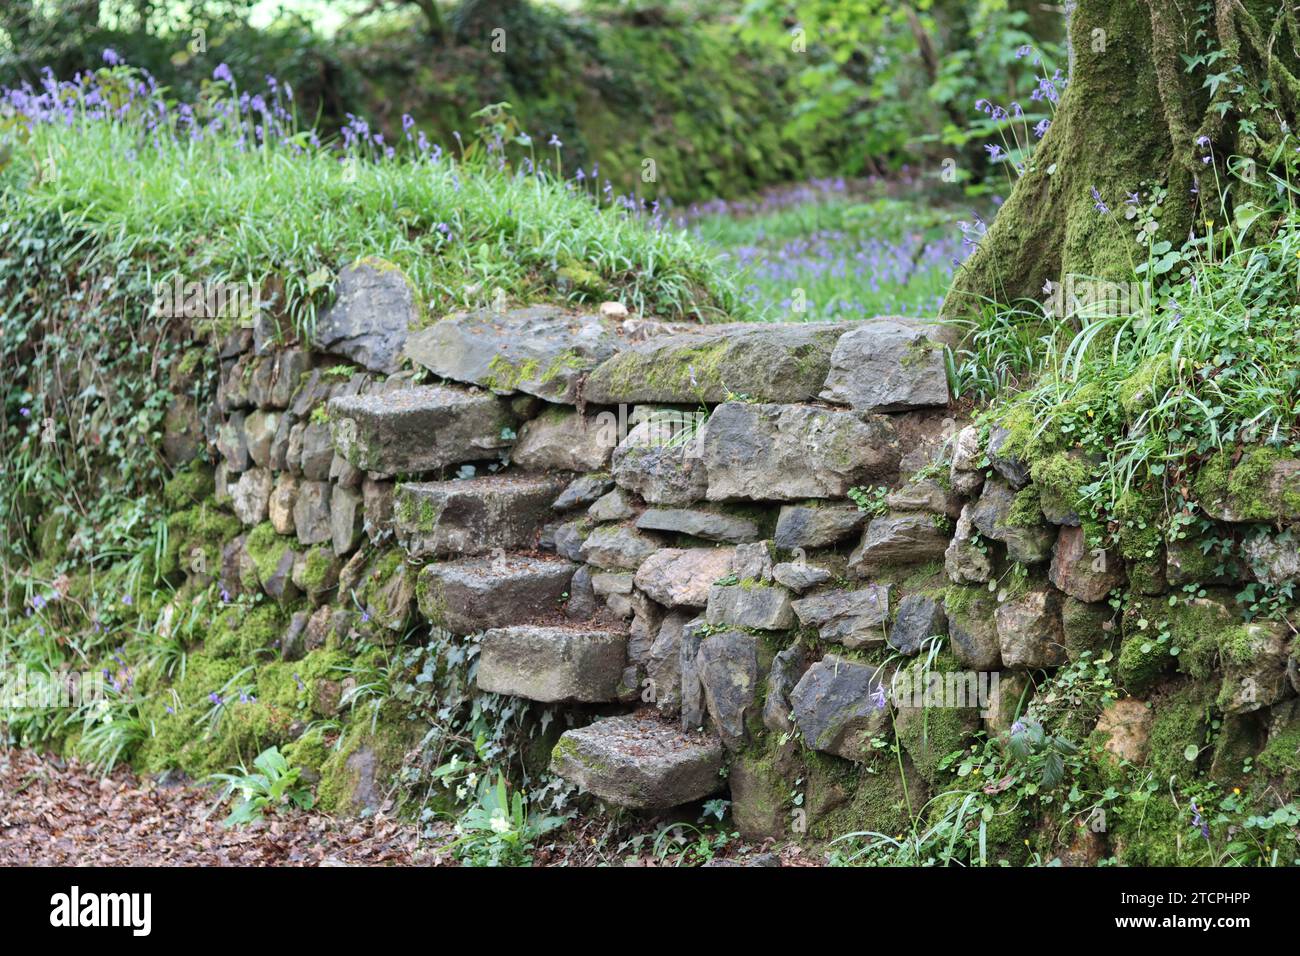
<point x="499" y="822"/>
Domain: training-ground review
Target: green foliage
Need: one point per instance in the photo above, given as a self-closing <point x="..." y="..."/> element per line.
<point x="272" y="787"/>
<point x="500" y="828"/>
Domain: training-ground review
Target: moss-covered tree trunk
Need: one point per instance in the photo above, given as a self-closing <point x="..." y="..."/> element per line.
<point x="1156" y="87"/>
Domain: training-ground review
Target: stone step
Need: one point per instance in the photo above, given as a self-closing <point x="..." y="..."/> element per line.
<point x="552" y="664"/>
<point x="472" y="594"/>
<point x="766" y="362"/>
<point x="640" y="761"/>
<point x="540" y="350"/>
<point x="473" y="516"/>
<point x="419" y="429"/>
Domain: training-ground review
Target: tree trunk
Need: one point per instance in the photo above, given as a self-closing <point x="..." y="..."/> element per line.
<point x="1131" y="119"/>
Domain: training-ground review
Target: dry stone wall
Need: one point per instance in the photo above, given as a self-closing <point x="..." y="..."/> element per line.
<point x="722" y="549"/>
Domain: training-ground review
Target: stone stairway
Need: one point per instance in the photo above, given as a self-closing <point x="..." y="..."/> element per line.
<point x="612" y="569"/>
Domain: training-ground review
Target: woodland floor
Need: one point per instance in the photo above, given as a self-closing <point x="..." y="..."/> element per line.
<point x="62" y="813"/>
<point x="56" y="813"/>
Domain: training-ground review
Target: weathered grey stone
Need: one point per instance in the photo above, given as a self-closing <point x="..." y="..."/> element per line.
<point x="758" y="607"/>
<point x="1013" y="469"/>
<point x="581" y="605"/>
<point x="232" y="444"/>
<point x="753" y="562"/>
<point x="473" y="516"/>
<point x="551" y="664"/>
<point x="964" y="561"/>
<point x="425" y="428"/>
<point x="251" y="495"/>
<point x="182" y="429"/>
<point x="1255" y="668"/>
<point x="377" y="509"/>
<point x="640" y="761"/>
<point x="888" y="366"/>
<point x="817" y="524"/>
<point x="918" y="619"/>
<point x="664" y="665"/>
<point x="791" y="452"/>
<point x="787" y="667"/>
<point x="279" y="460"/>
<point x="564" y="440"/>
<point x="729" y="673"/>
<point x="311" y="513"/>
<point x="234" y="387"/>
<point x="346" y="519"/>
<point x="1029" y="629"/>
<point x="314" y="390"/>
<point x="1083" y="572"/>
<point x="615" y="588"/>
<point x="583" y="491"/>
<point x="617" y="547"/>
<point x="992" y="514"/>
<point x="965" y="474"/>
<point x="710" y="525"/>
<point x="893" y="540"/>
<point x="693" y="710"/>
<point x="292" y="641"/>
<point x="280" y="505"/>
<point x="316" y="451"/>
<point x="662" y="469"/>
<point x="766" y="362"/>
<point x="567" y="538"/>
<point x="615" y="505"/>
<point x="799" y="576"/>
<point x="368" y="322"/>
<point x="677" y="577"/>
<point x="293" y="453"/>
<point x="471" y="594"/>
<point x="972" y="627"/>
<point x="261" y="375"/>
<point x="647" y="618"/>
<point x="290" y="365"/>
<point x="851" y="618"/>
<point x="343" y="472"/>
<point x="927" y="495"/>
<point x="840" y="705"/>
<point x="541" y="350"/>
<point x="1274" y="560"/>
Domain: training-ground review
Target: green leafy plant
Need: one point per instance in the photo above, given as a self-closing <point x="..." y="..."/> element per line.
<point x="499" y="828"/>
<point x="272" y="786"/>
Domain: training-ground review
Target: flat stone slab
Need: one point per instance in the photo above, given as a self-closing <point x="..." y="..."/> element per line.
<point x="551" y="664"/>
<point x="792" y="452"/>
<point x="472" y="594"/>
<point x="419" y="429"/>
<point x="473" y="516"/>
<point x="888" y="365"/>
<point x="764" y="362"/>
<point x="851" y="618"/>
<point x="682" y="577"/>
<point x="640" y="761"/>
<point x="701" y="523"/>
<point x="541" y="350"/>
